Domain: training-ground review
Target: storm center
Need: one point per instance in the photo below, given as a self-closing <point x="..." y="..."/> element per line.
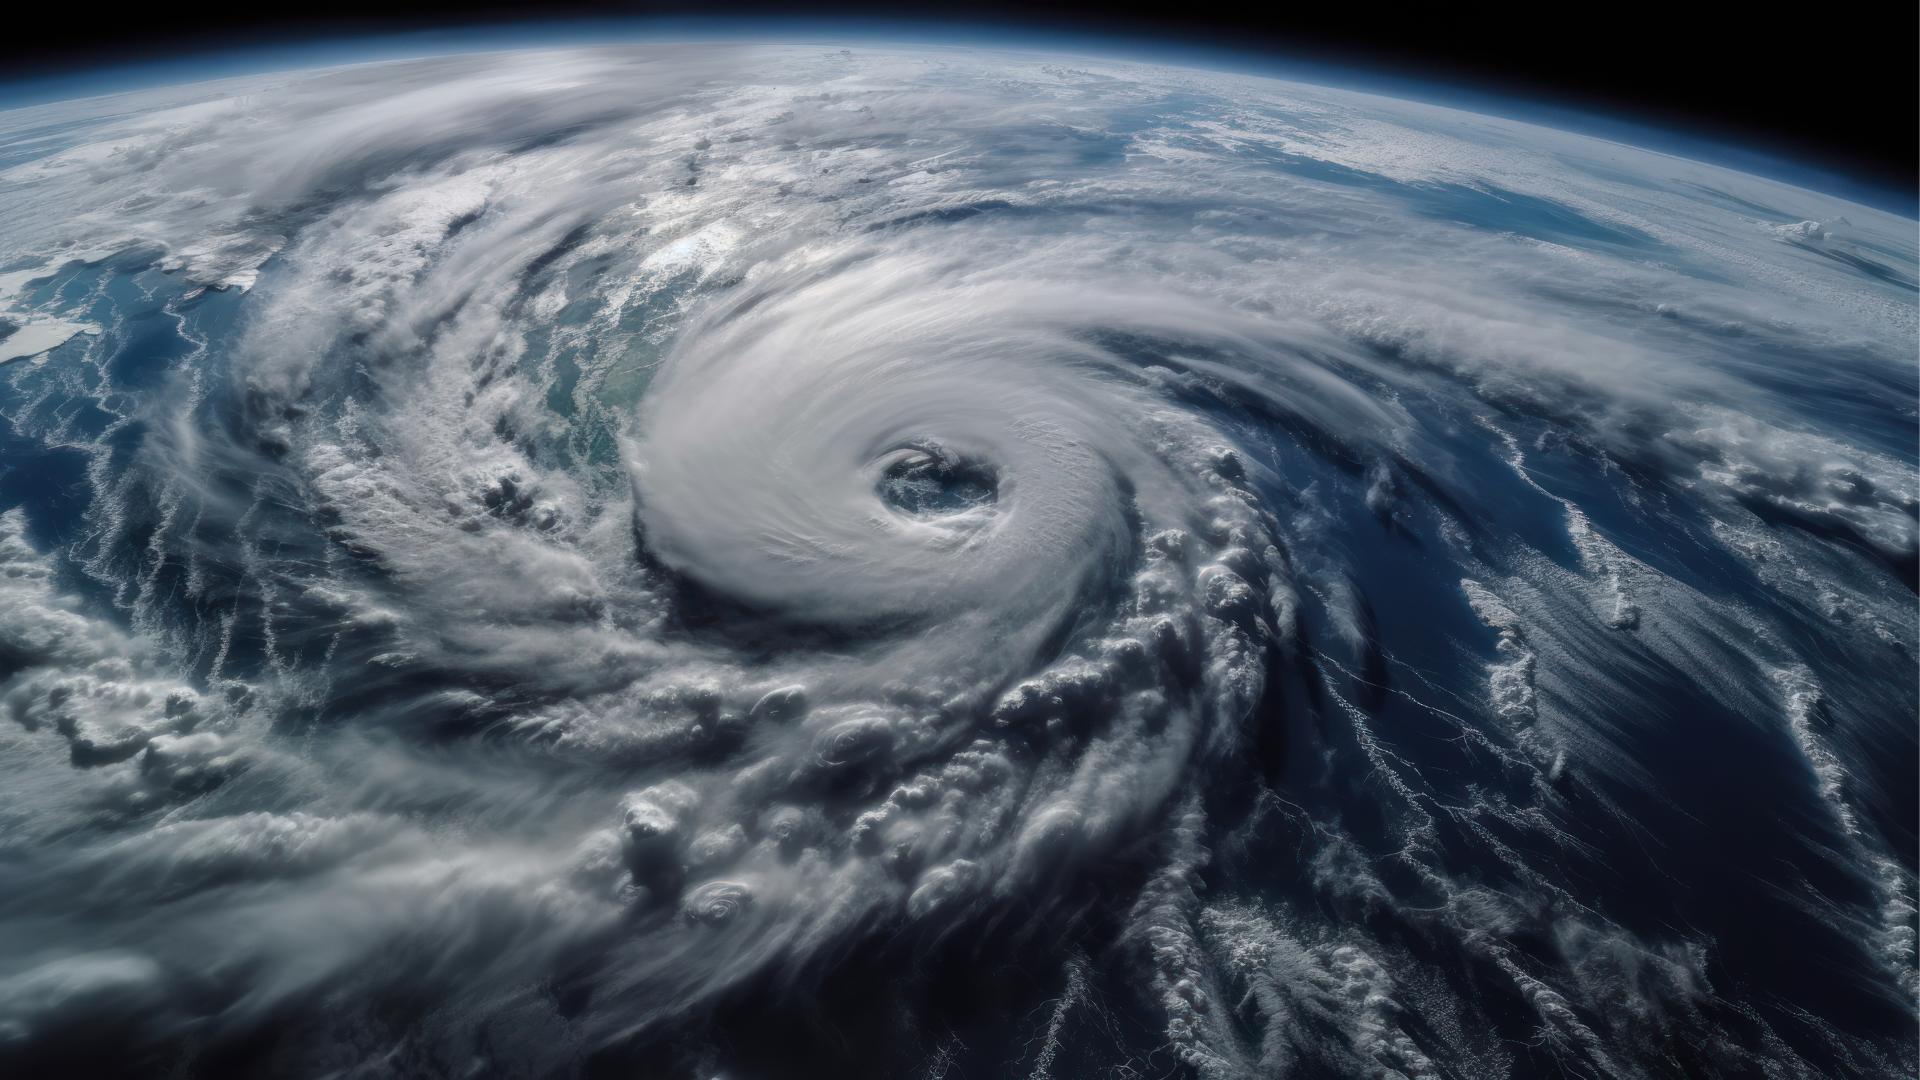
<point x="926" y="479"/>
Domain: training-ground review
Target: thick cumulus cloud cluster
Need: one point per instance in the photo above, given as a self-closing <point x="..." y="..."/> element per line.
<point x="756" y="561"/>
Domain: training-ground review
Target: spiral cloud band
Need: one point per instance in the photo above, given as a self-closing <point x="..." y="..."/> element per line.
<point x="784" y="560"/>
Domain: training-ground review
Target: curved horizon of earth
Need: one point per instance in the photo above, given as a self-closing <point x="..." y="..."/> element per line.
<point x="756" y="560"/>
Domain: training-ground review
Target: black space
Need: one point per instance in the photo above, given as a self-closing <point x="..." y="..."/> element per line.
<point x="1831" y="88"/>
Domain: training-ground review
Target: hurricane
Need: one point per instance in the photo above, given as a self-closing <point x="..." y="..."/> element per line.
<point x="776" y="559"/>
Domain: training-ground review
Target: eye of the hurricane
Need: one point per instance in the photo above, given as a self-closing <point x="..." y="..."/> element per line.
<point x="926" y="479"/>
